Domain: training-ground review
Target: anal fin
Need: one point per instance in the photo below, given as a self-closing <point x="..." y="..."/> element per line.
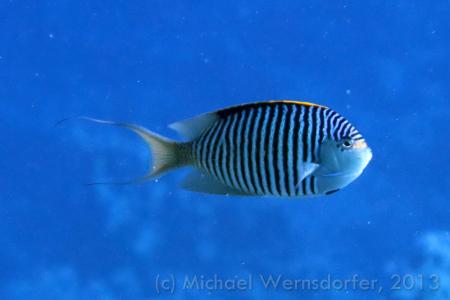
<point x="197" y="181"/>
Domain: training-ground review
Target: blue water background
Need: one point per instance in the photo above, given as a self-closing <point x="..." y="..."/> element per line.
<point x="382" y="64"/>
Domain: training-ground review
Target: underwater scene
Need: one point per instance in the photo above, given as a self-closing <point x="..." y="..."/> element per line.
<point x="224" y="150"/>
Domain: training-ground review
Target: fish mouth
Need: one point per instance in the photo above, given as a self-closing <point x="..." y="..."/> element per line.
<point x="370" y="154"/>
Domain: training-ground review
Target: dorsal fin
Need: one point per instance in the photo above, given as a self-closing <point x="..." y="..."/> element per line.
<point x="193" y="127"/>
<point x="298" y="102"/>
<point x="240" y="107"/>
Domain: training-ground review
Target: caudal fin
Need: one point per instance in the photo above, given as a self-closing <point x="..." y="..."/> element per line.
<point x="166" y="153"/>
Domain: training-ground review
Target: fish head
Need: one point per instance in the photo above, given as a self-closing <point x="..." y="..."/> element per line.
<point x="341" y="162"/>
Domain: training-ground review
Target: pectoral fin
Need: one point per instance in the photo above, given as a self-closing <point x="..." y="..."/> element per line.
<point x="308" y="169"/>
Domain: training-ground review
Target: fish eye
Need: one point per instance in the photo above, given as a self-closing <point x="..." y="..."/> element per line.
<point x="348" y="143"/>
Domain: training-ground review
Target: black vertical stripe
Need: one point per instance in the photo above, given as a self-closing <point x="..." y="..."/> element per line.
<point x="199" y="148"/>
<point x="295" y="150"/>
<point x="293" y="124"/>
<point x="240" y="150"/>
<point x="229" y="151"/>
<point x="304" y="186"/>
<point x="235" y="151"/>
<point x="275" y="169"/>
<point x="220" y="151"/>
<point x="319" y="126"/>
<point x="285" y="152"/>
<point x="311" y="126"/>
<point x="305" y="134"/>
<point x="331" y="115"/>
<point x="248" y="136"/>
<point x="313" y="133"/>
<point x="346" y="130"/>
<point x="226" y="153"/>
<point x="337" y="125"/>
<point x="354" y="133"/>
<point x="312" y="181"/>
<point x="341" y="126"/>
<point x="207" y="148"/>
<point x="203" y="149"/>
<point x="256" y="170"/>
<point x="323" y="126"/>
<point x="333" y="124"/>
<point x="300" y="164"/>
<point x="215" y="149"/>
<point x="265" y="170"/>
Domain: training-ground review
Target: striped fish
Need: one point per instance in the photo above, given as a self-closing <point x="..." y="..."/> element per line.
<point x="279" y="148"/>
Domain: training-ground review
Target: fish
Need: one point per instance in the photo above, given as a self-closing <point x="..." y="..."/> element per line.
<point x="282" y="148"/>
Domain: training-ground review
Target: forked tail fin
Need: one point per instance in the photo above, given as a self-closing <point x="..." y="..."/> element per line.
<point x="166" y="153"/>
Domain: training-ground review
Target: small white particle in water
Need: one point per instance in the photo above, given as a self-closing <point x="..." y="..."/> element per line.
<point x="138" y="81"/>
<point x="51" y="35"/>
<point x="369" y="222"/>
<point x="206" y="60"/>
<point x="156" y="180"/>
<point x="348" y="92"/>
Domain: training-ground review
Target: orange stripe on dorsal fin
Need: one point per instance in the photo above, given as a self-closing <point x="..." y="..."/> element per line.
<point x="298" y="102"/>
